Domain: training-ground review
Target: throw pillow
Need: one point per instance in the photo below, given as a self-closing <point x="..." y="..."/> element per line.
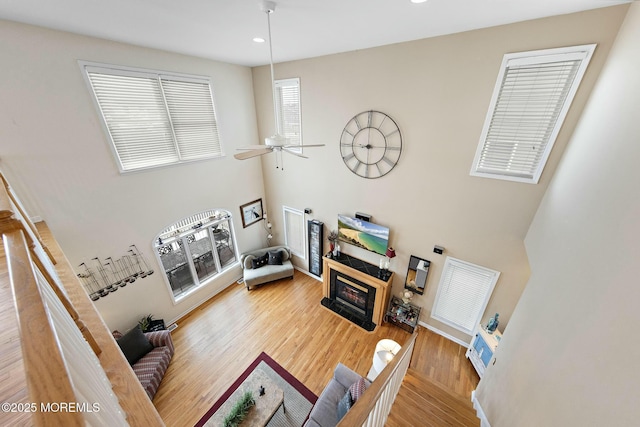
<point x="260" y="261"/>
<point x="275" y="258"/>
<point x="344" y="405"/>
<point x="285" y="254"/>
<point x="134" y="345"/>
<point x="248" y="262"/>
<point x="357" y="389"/>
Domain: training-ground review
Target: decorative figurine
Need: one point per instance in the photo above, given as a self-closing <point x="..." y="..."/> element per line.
<point x="493" y="324"/>
<point x="261" y="391"/>
<point x="406" y="296"/>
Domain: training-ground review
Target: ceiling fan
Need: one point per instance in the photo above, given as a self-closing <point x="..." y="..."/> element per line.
<point x="277" y="142"/>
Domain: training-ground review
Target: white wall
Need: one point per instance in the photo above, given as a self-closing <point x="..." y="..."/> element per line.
<point x="54" y="151"/>
<point x="569" y="354"/>
<point x="438" y="91"/>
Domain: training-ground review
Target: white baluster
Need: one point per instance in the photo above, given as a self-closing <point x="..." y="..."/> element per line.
<point x="90" y="383"/>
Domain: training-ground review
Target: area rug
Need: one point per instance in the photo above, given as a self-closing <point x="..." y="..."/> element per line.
<point x="298" y="399"/>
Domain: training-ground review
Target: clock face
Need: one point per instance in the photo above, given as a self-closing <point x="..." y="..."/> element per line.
<point x="371" y="144"/>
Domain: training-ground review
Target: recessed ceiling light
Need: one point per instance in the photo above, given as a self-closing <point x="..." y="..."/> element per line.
<point x="418" y="1"/>
<point x="258" y="39"/>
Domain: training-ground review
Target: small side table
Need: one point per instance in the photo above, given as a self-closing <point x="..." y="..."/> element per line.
<point x="404" y="315"/>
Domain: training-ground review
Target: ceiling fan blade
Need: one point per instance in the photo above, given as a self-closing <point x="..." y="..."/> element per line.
<point x="253" y="147"/>
<point x="293" y="152"/>
<point x="254" y="153"/>
<point x="302" y="146"/>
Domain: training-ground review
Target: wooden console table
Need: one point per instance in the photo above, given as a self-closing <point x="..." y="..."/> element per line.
<point x="364" y="272"/>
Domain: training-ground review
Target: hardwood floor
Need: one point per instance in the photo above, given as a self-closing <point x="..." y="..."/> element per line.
<point x="217" y="341"/>
<point x="13" y="385"/>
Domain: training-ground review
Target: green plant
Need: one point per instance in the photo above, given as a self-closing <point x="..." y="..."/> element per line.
<point x="239" y="411"/>
<point x="145" y="322"/>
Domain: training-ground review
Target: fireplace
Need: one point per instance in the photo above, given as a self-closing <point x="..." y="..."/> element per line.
<point x="355" y="290"/>
<point x="351" y="295"/>
<point x="352" y="299"/>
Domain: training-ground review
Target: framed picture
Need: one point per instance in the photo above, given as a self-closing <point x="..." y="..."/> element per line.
<point x="251" y="213"/>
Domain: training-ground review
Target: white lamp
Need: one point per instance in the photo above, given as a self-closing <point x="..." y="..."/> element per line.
<point x="384" y="353"/>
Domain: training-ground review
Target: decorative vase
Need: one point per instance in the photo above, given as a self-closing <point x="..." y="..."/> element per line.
<point x="336" y="250"/>
<point x="493" y="324"/>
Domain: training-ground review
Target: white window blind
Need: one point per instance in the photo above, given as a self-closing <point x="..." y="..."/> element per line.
<point x="288" y="110"/>
<point x="294" y="231"/>
<point x="154" y="119"/>
<point x="463" y="294"/>
<point x="532" y="96"/>
<point x="193" y="117"/>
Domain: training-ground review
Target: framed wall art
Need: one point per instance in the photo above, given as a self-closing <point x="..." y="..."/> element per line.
<point x="251" y="212"/>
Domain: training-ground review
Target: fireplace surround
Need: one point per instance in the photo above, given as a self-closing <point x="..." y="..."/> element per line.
<point x="352" y="289"/>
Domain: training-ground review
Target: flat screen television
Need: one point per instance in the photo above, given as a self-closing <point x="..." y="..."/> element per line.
<point x="363" y="234"/>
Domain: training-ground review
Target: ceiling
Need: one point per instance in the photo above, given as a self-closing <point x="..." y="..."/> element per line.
<point x="223" y="29"/>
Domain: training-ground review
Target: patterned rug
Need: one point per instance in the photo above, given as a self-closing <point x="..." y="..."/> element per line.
<point x="298" y="399"/>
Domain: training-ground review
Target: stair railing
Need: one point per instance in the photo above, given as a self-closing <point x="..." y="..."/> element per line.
<point x="65" y="372"/>
<point x="373" y="407"/>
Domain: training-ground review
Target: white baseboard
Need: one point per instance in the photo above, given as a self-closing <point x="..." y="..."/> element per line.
<point x="319" y="279"/>
<point x="444" y="334"/>
<point x="484" y="422"/>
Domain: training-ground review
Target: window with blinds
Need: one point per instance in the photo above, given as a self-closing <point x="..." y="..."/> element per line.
<point x="532" y="96"/>
<point x="463" y="294"/>
<point x="287" y="100"/>
<point x="154" y="118"/>
<point x="294" y="235"/>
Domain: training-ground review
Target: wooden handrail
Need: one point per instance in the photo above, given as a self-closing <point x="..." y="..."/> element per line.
<point x="133" y="398"/>
<point x="8" y="222"/>
<point x="47" y="376"/>
<point x="8" y="197"/>
<point x="359" y="412"/>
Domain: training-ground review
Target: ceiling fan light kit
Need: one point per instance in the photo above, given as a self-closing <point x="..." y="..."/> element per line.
<point x="277" y="142"/>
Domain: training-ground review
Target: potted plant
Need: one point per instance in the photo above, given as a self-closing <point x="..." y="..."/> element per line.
<point x="149" y="324"/>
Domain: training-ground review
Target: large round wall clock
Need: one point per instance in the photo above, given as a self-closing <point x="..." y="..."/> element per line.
<point x="371" y="144"/>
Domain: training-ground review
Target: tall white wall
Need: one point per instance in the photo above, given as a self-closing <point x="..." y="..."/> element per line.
<point x="438" y="91"/>
<point x="569" y="355"/>
<point x="53" y="149"/>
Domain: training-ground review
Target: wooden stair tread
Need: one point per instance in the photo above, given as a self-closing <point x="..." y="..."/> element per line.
<point x="422" y="398"/>
<point x="422" y="384"/>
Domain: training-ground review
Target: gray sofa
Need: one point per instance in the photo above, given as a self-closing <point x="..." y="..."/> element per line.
<point x="325" y="411"/>
<point x="267" y="272"/>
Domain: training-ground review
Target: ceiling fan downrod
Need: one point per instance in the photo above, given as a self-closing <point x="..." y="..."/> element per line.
<point x="269" y="7"/>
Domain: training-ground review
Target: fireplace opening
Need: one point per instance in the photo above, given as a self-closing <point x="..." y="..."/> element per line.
<point x="351" y="299"/>
<point x="352" y="295"/>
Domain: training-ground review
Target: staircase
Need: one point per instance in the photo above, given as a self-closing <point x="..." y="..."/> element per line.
<point x="420" y="398"/>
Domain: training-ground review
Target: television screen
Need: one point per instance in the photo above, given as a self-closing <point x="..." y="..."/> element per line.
<point x="363" y="234"/>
